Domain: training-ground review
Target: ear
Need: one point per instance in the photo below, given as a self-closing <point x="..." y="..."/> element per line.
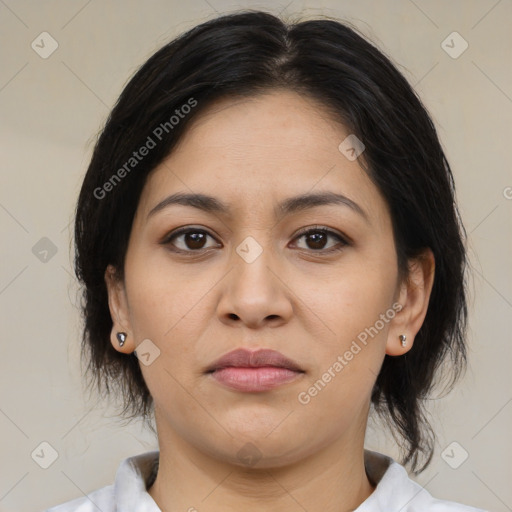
<point x="414" y="297"/>
<point x="119" y="311"/>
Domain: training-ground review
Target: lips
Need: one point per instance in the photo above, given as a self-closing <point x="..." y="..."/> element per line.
<point x="252" y="372"/>
<point x="243" y="358"/>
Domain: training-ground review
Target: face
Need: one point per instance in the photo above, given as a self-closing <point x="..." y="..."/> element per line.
<point x="318" y="283"/>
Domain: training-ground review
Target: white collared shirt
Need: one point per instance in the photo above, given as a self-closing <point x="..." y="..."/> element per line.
<point x="394" y="492"/>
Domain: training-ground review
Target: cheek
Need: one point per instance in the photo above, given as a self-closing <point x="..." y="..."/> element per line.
<point x="355" y="311"/>
<point x="358" y="313"/>
<point x="161" y="295"/>
<point x="350" y="299"/>
<point x="169" y="305"/>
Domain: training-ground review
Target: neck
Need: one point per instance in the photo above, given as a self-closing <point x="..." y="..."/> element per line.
<point x="332" y="479"/>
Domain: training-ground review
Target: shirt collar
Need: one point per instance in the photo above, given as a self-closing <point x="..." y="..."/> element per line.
<point x="133" y="478"/>
<point x="394" y="489"/>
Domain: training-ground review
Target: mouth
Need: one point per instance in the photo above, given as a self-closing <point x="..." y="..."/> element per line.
<point x="243" y="358"/>
<point x="252" y="380"/>
<point x="247" y="371"/>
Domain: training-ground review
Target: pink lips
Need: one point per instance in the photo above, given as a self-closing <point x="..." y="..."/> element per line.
<point x="248" y="371"/>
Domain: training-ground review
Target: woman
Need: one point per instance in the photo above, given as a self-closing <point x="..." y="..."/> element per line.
<point x="269" y="247"/>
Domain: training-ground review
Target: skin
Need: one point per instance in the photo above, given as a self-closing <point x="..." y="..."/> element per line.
<point x="197" y="306"/>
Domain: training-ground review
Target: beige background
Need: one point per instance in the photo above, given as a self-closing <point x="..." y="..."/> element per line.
<point x="51" y="110"/>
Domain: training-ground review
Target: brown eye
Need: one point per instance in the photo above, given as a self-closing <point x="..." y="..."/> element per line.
<point x="316" y="239"/>
<point x="189" y="239"/>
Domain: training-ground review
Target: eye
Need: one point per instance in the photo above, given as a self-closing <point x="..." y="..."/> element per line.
<point x="193" y="239"/>
<point x="318" y="236"/>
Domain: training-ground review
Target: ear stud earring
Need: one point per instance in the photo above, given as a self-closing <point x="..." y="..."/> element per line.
<point x="121" y="338"/>
<point x="403" y="339"/>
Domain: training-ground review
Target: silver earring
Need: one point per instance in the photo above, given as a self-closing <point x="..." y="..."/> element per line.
<point x="121" y="338"/>
<point x="403" y="339"/>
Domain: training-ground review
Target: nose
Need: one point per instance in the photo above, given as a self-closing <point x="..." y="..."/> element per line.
<point x="256" y="293"/>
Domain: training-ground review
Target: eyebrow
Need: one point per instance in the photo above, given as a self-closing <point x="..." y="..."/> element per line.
<point x="291" y="205"/>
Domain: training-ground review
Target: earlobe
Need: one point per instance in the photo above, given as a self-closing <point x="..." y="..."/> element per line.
<point x="399" y="345"/>
<point x="120" y="334"/>
<point x="414" y="296"/>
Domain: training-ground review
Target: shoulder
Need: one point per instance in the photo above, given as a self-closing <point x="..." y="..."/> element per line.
<point x="127" y="493"/>
<point x="396" y="491"/>
<point x="101" y="499"/>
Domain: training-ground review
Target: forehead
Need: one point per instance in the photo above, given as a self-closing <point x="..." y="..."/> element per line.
<point x="300" y="121"/>
<point x="256" y="151"/>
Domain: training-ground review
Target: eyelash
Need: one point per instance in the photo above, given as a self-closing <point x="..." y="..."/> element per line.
<point x="305" y="231"/>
